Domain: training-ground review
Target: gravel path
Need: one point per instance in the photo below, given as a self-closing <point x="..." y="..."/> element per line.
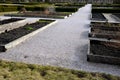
<point x="64" y="44"/>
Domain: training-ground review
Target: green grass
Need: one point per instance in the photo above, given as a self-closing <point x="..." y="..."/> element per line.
<point x="43" y="21"/>
<point x="21" y="71"/>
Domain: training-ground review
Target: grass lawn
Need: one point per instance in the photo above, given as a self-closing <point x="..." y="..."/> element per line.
<point x="22" y="71"/>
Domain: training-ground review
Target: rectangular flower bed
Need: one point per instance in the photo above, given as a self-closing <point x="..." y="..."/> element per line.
<point x="14" y="37"/>
<point x="6" y="21"/>
<point x="104" y="52"/>
<point x="98" y="33"/>
<point x="116" y="16"/>
<point x="9" y="24"/>
<point x="98" y="17"/>
<point x="108" y="36"/>
<point x="105" y="30"/>
<point x="106" y="24"/>
<point x="60" y="15"/>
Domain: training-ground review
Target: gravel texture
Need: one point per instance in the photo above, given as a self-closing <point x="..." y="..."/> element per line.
<point x="64" y="44"/>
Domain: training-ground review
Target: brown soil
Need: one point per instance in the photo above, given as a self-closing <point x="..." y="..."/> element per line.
<point x="9" y="36"/>
<point x="105" y="48"/>
<point x="105" y="24"/>
<point x="98" y="16"/>
<point x="6" y="21"/>
<point x="101" y="30"/>
<point x="105" y="28"/>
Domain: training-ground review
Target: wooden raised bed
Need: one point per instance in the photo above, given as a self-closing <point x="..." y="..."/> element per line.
<point x="105" y="30"/>
<point x="98" y="33"/>
<point x="104" y="52"/>
<point x="106" y="24"/>
<point x="14" y="37"/>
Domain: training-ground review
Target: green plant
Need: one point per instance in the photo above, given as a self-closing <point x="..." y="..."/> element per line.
<point x="44" y="21"/>
<point x="29" y="28"/>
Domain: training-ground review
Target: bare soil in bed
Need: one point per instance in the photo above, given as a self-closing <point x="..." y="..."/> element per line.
<point x="6" y="21"/>
<point x="104" y="24"/>
<point x="105" y="30"/>
<point x="9" y="36"/>
<point x="105" y="48"/>
<point x="98" y="16"/>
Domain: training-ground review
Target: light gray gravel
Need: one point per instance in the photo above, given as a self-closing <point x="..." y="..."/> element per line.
<point x="64" y="44"/>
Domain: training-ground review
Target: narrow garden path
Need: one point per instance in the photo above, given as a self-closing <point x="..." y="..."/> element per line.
<point x="64" y="44"/>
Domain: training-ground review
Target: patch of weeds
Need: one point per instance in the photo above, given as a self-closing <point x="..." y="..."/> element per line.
<point x="29" y="28"/>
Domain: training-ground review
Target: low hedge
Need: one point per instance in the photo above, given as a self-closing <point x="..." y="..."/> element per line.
<point x="116" y="10"/>
<point x="8" y="8"/>
<point x="35" y="3"/>
<point x="1" y="8"/>
<point x="58" y="9"/>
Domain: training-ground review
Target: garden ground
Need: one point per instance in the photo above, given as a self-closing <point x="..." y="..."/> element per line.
<point x="64" y="44"/>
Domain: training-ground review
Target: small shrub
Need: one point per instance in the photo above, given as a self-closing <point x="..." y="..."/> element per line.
<point x="8" y="9"/>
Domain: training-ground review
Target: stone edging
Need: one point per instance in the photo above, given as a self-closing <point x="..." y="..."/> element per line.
<point x="11" y="26"/>
<point x="104" y="39"/>
<point x="115" y="17"/>
<point x="23" y="38"/>
<point x="14" y="15"/>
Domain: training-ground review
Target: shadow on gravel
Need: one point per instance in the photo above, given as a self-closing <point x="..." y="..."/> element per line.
<point x="87" y="26"/>
<point x="81" y="53"/>
<point x="84" y="35"/>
